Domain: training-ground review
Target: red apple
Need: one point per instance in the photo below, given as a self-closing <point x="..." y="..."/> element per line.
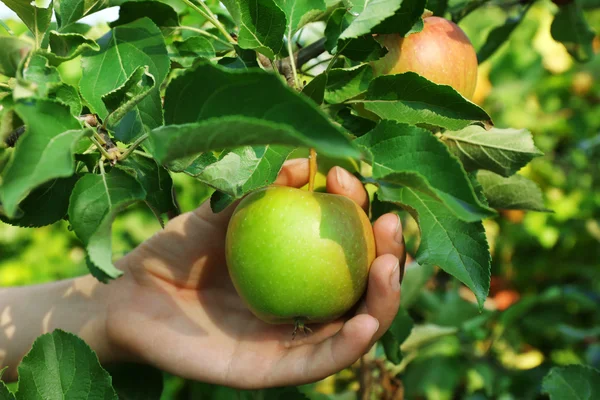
<point x="441" y="52"/>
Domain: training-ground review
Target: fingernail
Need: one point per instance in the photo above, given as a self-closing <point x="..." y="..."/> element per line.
<point x="398" y="235"/>
<point x="377" y="325"/>
<point x="343" y="177"/>
<point x="395" y="277"/>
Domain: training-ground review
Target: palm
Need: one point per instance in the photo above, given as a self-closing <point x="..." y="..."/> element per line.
<point x="183" y="302"/>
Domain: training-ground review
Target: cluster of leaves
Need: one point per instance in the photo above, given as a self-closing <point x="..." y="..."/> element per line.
<point x="159" y="97"/>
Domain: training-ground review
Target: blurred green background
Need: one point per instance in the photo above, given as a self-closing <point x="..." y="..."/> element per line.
<point x="543" y="308"/>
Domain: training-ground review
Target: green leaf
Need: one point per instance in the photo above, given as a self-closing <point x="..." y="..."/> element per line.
<point x="243" y="170"/>
<point x="364" y="48"/>
<point x="45" y="205"/>
<point x="459" y="248"/>
<point x="373" y="14"/>
<point x="193" y="165"/>
<point x="503" y="151"/>
<point x="407" y="19"/>
<point x="163" y="15"/>
<point x="12" y="51"/>
<point x="67" y="46"/>
<point x="94" y="203"/>
<point x="344" y="84"/>
<point x="62" y="366"/>
<point x="243" y="59"/>
<point x="262" y="25"/>
<point x="410" y="156"/>
<point x="69" y="96"/>
<point x="233" y="111"/>
<point x="572" y="30"/>
<point x="438" y="7"/>
<point x="572" y="382"/>
<point x="191" y="49"/>
<point x="155" y="180"/>
<point x="43" y="153"/>
<point x="415" y="278"/>
<point x="124" y="50"/>
<point x="350" y="31"/>
<point x="136" y="381"/>
<point x="398" y="332"/>
<point x="39" y="79"/>
<point x="126" y="97"/>
<point x="298" y="11"/>
<point x="36" y="18"/>
<point x="315" y="89"/>
<point x="513" y="193"/>
<point x="5" y="393"/>
<point x="69" y="11"/>
<point x="358" y="126"/>
<point x="412" y="99"/>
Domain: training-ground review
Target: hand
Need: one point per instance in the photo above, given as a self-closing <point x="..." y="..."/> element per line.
<point x="183" y="315"/>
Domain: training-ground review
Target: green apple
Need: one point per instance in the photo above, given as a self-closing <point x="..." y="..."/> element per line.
<point x="298" y="257"/>
<point x="440" y="52"/>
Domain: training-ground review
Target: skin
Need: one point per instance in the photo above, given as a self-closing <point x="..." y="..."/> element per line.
<point x="175" y="307"/>
<point x="269" y="264"/>
<point x="441" y="52"/>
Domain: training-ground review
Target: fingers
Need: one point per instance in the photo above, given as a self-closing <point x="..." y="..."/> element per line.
<point x="383" y="292"/>
<point x="308" y="363"/>
<point x="340" y="181"/>
<point x="388" y="237"/>
<point x="293" y="173"/>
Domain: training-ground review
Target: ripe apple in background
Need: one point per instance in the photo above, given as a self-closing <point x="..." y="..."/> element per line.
<point x="299" y="257"/>
<point x="441" y="52"/>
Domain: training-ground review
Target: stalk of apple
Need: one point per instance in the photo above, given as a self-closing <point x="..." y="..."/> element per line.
<point x="312" y="168"/>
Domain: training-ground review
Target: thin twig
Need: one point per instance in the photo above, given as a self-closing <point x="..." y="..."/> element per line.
<point x="203" y="33"/>
<point x="365" y="379"/>
<point x="309" y="52"/>
<point x="312" y="168"/>
<point x="208" y="14"/>
<point x="335" y="57"/>
<point x="133" y="146"/>
<point x="142" y="153"/>
<point x="316" y="65"/>
<point x="302" y="56"/>
<point x="101" y="148"/>
<point x="292" y="59"/>
<point x="101" y="165"/>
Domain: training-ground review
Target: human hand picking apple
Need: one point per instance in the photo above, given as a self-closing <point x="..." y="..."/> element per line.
<point x="182" y="314"/>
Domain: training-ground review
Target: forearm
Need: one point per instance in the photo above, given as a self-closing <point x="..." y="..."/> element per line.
<point x="77" y="305"/>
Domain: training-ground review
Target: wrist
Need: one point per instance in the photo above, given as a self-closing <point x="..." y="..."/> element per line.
<point x="80" y="306"/>
<point x="114" y="298"/>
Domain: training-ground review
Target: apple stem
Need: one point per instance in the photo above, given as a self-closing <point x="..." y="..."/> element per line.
<point x="312" y="169"/>
<point x="299" y="326"/>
